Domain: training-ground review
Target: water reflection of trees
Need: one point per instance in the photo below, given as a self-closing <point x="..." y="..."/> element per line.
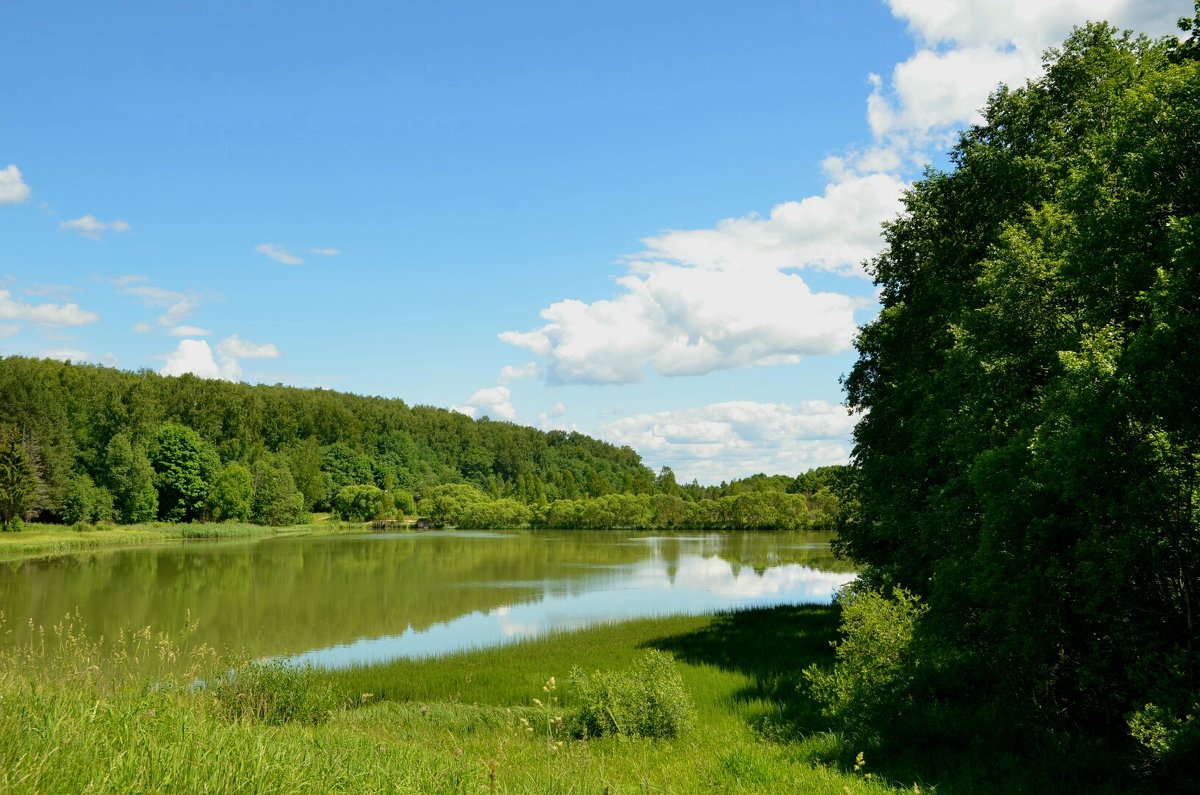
<point x="285" y="595"/>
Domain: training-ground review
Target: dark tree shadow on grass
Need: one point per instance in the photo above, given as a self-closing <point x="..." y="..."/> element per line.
<point x="771" y="646"/>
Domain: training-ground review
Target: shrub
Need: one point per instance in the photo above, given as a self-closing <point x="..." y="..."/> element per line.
<point x="645" y="700"/>
<point x="871" y="680"/>
<point x="273" y="692"/>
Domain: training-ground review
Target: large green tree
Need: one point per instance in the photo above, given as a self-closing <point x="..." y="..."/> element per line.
<point x="184" y="467"/>
<point x="18" y="480"/>
<point x="1028" y="454"/>
<point x="130" y="478"/>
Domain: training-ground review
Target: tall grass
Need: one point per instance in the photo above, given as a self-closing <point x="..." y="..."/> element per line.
<point x="125" y="716"/>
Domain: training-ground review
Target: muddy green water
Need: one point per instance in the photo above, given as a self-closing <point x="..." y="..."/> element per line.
<point x="341" y="600"/>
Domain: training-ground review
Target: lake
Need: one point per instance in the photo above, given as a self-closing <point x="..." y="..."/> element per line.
<point x="343" y="600"/>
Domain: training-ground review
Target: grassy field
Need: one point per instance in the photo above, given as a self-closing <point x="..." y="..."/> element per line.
<point x="72" y="721"/>
<point x="42" y="540"/>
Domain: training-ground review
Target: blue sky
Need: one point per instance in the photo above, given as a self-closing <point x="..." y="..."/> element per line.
<point x="644" y="221"/>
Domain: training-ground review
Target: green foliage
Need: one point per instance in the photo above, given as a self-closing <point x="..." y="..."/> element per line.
<point x="358" y="503"/>
<point x="647" y="699"/>
<point x="403" y="499"/>
<point x="273" y="692"/>
<point x="18" y="480"/>
<point x="1170" y="743"/>
<point x="449" y="503"/>
<point x="231" y="497"/>
<point x="1028" y="451"/>
<point x="131" y="481"/>
<point x="183" y="468"/>
<point x="494" y="514"/>
<point x="276" y="500"/>
<point x="870" y="682"/>
<point x="86" y="502"/>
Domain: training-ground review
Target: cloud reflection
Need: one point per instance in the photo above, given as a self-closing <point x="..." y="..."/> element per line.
<point x="688" y="584"/>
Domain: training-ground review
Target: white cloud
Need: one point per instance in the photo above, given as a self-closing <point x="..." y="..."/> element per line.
<point x="64" y="354"/>
<point x="832" y="232"/>
<point x="178" y="311"/>
<point x="684" y="320"/>
<point x="325" y="252"/>
<point x="695" y="301"/>
<point x="278" y="253"/>
<point x="511" y="372"/>
<point x="90" y="226"/>
<point x="142" y="328"/>
<point x="196" y="357"/>
<point x="68" y="314"/>
<point x="232" y="348"/>
<point x="186" y="331"/>
<point x="727" y="440"/>
<point x="192" y="356"/>
<point x="13" y="189"/>
<point x="492" y="401"/>
<point x="235" y="348"/>
<point x="967" y="47"/>
<point x="134" y="284"/>
<point x="9" y="331"/>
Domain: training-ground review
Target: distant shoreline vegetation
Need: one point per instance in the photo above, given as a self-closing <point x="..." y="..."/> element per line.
<point x="84" y="445"/>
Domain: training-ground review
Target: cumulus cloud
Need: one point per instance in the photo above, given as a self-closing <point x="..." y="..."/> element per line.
<point x="721" y="441"/>
<point x="967" y="47"/>
<point x="68" y="314"/>
<point x="278" y="253"/>
<point x="13" y="189"/>
<point x="700" y="300"/>
<point x="686" y="320"/>
<point x="90" y="226"/>
<point x="192" y="356"/>
<point x="233" y="348"/>
<point x="492" y="401"/>
<point x="196" y="357"/>
<point x="826" y="232"/>
<point x="325" y="252"/>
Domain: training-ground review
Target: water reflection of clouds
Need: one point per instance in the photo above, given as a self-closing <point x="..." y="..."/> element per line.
<point x="691" y="584"/>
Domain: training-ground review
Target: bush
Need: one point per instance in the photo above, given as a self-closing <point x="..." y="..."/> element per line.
<point x="358" y="503"/>
<point x="871" y="681"/>
<point x="273" y="692"/>
<point x="645" y="700"/>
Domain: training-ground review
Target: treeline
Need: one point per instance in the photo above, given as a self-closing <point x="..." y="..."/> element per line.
<point x="464" y="506"/>
<point x="89" y="443"/>
<point x="1027" y="496"/>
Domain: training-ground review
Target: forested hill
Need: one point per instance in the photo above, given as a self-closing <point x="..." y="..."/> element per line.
<point x="83" y="420"/>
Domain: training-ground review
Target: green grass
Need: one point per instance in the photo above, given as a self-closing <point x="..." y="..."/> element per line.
<point x="74" y="720"/>
<point x="45" y="540"/>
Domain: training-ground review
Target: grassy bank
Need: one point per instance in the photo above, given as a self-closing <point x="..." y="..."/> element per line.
<point x="42" y="540"/>
<point x="71" y="721"/>
<point x="476" y="722"/>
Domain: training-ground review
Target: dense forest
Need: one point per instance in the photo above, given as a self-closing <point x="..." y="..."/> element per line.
<point x="1027" y="491"/>
<point x="89" y="443"/>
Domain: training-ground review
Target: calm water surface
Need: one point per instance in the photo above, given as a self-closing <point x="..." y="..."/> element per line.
<point x="342" y="600"/>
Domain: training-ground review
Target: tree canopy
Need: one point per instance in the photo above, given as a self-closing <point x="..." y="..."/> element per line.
<point x="1027" y="460"/>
